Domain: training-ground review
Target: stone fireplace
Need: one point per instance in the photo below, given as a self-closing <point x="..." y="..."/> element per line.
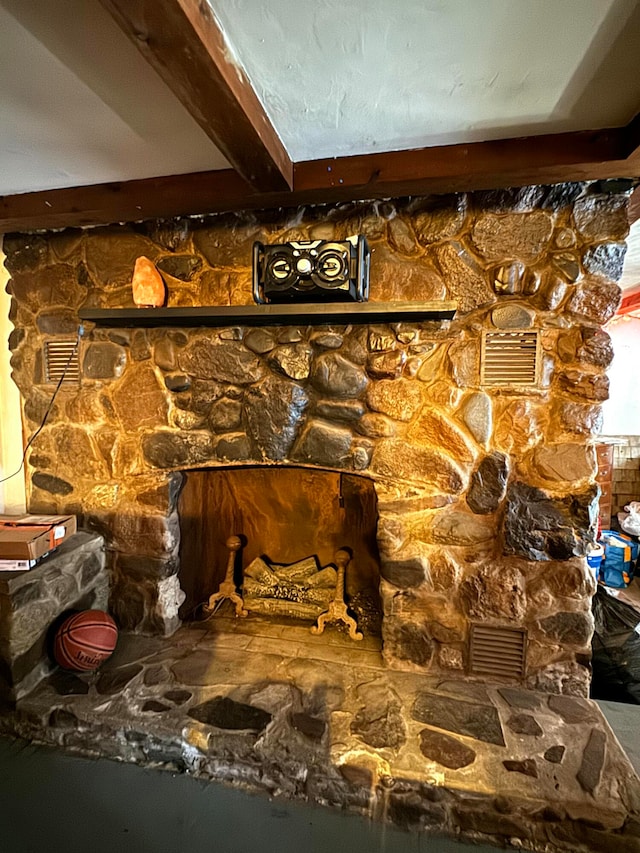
<point x="461" y="449"/>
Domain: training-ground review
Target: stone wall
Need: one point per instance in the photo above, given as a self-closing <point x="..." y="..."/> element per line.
<point x="485" y="494"/>
<point x="32" y="603"/>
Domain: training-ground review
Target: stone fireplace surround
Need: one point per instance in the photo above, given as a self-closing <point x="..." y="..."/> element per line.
<point x="485" y="497"/>
<point x="485" y="494"/>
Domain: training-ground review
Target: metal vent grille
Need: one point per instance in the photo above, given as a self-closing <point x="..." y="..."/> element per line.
<point x="61" y="359"/>
<point x="498" y="652"/>
<point x="510" y="358"/>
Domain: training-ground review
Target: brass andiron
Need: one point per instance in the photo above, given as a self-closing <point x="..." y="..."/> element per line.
<point x="337" y="611"/>
<point x="228" y="587"/>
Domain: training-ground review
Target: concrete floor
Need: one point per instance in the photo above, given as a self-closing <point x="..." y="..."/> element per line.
<point x="625" y="722"/>
<point x="51" y="801"/>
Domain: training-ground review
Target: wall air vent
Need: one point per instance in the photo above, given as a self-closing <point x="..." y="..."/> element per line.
<point x="61" y="361"/>
<point x="498" y="652"/>
<point x="510" y="358"/>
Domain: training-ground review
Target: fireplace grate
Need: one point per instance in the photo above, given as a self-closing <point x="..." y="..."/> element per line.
<point x="497" y="651"/>
<point x="61" y="360"/>
<point x="510" y="358"/>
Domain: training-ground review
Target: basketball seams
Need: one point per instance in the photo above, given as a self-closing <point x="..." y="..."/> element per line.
<point x="104" y="630"/>
<point x="82" y="624"/>
<point x="63" y="653"/>
<point x="87" y="646"/>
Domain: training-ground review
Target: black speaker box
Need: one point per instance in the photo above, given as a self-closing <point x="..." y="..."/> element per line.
<point x="312" y="271"/>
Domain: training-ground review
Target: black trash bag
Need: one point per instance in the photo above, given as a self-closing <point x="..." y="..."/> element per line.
<point x="616" y="650"/>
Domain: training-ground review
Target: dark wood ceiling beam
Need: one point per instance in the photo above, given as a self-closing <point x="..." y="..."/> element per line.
<point x="184" y="43"/>
<point x="127" y="201"/>
<point x="484" y="165"/>
<point x="518" y="161"/>
<point x="632" y="137"/>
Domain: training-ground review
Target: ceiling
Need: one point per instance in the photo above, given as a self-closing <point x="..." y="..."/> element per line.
<point x="80" y="105"/>
<point x="340" y="78"/>
<point x="121" y="109"/>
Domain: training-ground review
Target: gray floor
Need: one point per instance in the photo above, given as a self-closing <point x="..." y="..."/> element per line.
<point x="625" y="722"/>
<point x="51" y="801"/>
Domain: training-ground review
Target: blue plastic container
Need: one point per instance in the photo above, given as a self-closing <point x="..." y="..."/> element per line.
<point x="594" y="559"/>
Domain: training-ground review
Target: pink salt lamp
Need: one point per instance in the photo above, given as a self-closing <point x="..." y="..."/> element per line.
<point x="148" y="288"/>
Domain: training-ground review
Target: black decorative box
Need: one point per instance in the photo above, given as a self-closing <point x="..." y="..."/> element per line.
<point x="312" y="271"/>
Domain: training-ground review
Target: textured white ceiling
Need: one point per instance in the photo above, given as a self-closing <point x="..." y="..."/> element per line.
<point x="79" y="105"/>
<point x="340" y="77"/>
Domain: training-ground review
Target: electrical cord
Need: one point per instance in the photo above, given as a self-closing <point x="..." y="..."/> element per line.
<point x="49" y="408"/>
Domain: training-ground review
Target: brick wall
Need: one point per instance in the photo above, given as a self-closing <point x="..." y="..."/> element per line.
<point x="626" y="472"/>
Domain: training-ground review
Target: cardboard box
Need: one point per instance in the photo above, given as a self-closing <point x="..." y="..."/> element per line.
<point x="27" y="537"/>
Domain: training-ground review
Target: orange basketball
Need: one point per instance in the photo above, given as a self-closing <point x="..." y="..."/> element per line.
<point x="85" y="640"/>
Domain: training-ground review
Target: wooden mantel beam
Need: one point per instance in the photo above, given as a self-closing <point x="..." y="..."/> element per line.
<point x="186" y="46"/>
<point x="548" y="159"/>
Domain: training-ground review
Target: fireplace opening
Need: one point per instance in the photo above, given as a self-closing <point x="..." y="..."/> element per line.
<point x="292" y="523"/>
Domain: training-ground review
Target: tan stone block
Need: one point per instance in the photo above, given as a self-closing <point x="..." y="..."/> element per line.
<point x="85" y="406"/>
<point x="601" y="217"/>
<point x="111" y="254"/>
<point x="596" y="299"/>
<point x="440" y="217"/>
<point x="398" y="459"/>
<point x="520" y="424"/>
<point x="495" y="591"/>
<point x="396" y="277"/>
<point x="477" y="413"/>
<point x="401" y="236"/>
<point x="564" y="462"/>
<point x="465" y="280"/>
<point x="431" y="364"/>
<point x="445" y="572"/>
<point x="400" y="399"/>
<point x="453" y="526"/>
<point x="514" y="235"/>
<point x="376" y="426"/>
<point x="464" y="362"/>
<point x="147" y="533"/>
<point x="139" y="400"/>
<point x="76" y="455"/>
<point x="434" y="428"/>
<point x="50" y="286"/>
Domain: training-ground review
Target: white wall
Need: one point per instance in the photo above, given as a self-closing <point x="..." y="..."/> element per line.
<point x="622" y="409"/>
<point x="12" y="493"/>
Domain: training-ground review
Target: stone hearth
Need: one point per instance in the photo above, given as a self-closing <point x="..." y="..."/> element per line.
<point x="485" y="492"/>
<point x="266" y="706"/>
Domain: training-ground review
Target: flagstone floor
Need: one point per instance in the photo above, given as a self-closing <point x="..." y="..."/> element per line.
<point x="269" y="707"/>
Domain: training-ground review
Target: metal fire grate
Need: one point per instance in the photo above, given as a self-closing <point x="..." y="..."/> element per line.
<point x="499" y="652"/>
<point x="61" y="360"/>
<point x="510" y="358"/>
